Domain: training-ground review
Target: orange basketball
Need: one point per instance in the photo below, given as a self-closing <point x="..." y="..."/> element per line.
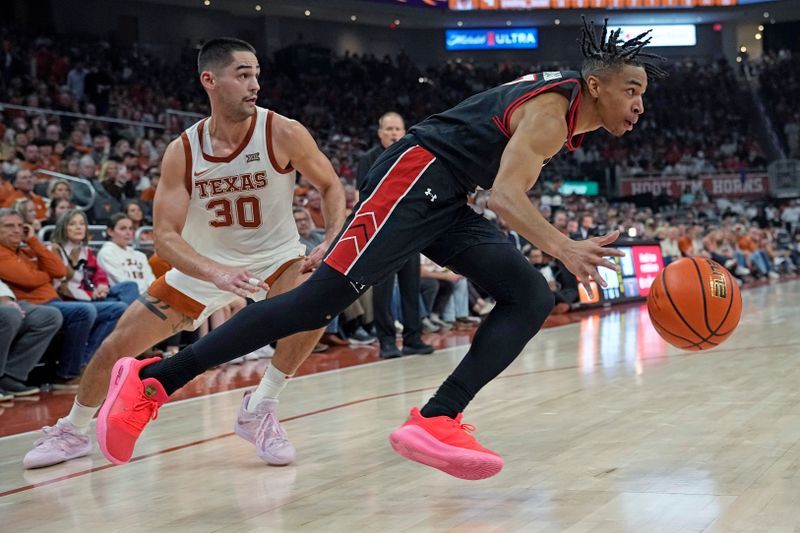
<point x="694" y="304"/>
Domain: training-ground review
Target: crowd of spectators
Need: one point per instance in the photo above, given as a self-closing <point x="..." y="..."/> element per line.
<point x="779" y="77"/>
<point x="690" y="128"/>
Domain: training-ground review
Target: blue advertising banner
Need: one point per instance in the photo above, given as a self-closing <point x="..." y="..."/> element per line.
<point x="491" y="39"/>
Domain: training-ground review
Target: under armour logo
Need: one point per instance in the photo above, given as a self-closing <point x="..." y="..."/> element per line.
<point x="430" y="195"/>
<point x="358" y="287"/>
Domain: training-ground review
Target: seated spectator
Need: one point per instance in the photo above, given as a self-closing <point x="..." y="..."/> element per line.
<point x="56" y="208"/>
<point x="31" y="162"/>
<point x="23" y="188"/>
<point x="120" y="260"/>
<point x="670" y="250"/>
<point x="84" y="294"/>
<point x="456" y="311"/>
<point x="25" y="333"/>
<point x="6" y="189"/>
<point x="561" y="282"/>
<point x="29" y="272"/>
<point x="438" y="300"/>
<point x="133" y="210"/>
<point x="86" y="280"/>
<point x="587" y="228"/>
<point x="695" y="234"/>
<point x="49" y="159"/>
<point x="87" y="170"/>
<point x="112" y="191"/>
<point x="314" y="208"/>
<point x="720" y="250"/>
<point x="27" y="210"/>
<point x="57" y="188"/>
<point x="750" y="255"/>
<point x="781" y="251"/>
<point x="149" y="193"/>
<point x="310" y="236"/>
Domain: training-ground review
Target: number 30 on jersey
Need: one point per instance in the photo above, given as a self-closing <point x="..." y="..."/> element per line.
<point x="244" y="211"/>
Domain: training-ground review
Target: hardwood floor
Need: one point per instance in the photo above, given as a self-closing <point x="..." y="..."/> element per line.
<point x="603" y="427"/>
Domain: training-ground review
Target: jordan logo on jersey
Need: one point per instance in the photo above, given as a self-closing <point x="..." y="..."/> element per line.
<point x="242" y="182"/>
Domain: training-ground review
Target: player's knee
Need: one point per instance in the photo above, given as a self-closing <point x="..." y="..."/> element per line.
<point x="318" y="318"/>
<point x="533" y="297"/>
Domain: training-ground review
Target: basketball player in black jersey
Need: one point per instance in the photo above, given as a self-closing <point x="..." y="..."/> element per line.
<point x="416" y="200"/>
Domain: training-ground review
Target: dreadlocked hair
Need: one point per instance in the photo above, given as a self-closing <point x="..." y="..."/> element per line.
<point x="610" y="51"/>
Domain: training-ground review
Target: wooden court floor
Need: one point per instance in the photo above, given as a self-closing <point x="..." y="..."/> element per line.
<point x="602" y="425"/>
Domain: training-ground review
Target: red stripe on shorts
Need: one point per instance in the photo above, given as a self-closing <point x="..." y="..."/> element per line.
<point x="372" y="214"/>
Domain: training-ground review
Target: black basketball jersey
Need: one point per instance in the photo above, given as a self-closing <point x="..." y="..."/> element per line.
<point x="470" y="137"/>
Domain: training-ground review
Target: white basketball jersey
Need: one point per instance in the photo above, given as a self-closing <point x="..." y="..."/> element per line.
<point x="240" y="212"/>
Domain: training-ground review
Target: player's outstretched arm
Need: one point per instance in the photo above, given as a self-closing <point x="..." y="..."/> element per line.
<point x="294" y="140"/>
<point x="540" y="132"/>
<point x="170" y="206"/>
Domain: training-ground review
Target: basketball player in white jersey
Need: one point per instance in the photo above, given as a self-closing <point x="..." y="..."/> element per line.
<point x="223" y="220"/>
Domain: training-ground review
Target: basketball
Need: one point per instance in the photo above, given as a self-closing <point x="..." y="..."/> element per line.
<point x="695" y="304"/>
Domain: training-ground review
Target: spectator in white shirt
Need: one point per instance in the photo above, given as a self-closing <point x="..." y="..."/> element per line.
<point x="119" y="259"/>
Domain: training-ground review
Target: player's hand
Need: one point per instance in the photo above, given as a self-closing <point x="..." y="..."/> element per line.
<point x="315" y="257"/>
<point x="583" y="257"/>
<point x="239" y="281"/>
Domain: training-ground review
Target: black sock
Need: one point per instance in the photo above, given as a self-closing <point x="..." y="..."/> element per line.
<point x="451" y="398"/>
<point x="182" y="369"/>
<point x="308" y="307"/>
<point x="523" y="302"/>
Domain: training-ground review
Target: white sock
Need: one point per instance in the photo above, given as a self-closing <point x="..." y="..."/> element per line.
<point x="270" y="387"/>
<point x="81" y="416"/>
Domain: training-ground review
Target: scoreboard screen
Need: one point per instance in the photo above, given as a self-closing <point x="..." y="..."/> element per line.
<point x="638" y="269"/>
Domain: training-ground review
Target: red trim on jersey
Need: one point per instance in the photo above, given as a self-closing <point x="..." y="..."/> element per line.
<point x="574" y="141"/>
<point x="377" y="208"/>
<point x="499" y="124"/>
<point x="504" y="125"/>
<point x="187" y="173"/>
<point x="236" y="152"/>
<point x="270" y="152"/>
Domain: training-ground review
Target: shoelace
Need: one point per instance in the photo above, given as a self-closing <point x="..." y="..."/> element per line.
<point x="469" y="428"/>
<point x="51" y="438"/>
<point x="269" y="422"/>
<point x="143" y="411"/>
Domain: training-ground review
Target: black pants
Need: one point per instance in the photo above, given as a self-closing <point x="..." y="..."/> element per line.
<point x="408" y="281"/>
<point x="411" y="204"/>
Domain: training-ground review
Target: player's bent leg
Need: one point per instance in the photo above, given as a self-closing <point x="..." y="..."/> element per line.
<point x="145" y="323"/>
<point x="138" y="388"/>
<point x="435" y="436"/>
<point x="257" y="421"/>
<point x="138" y="329"/>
